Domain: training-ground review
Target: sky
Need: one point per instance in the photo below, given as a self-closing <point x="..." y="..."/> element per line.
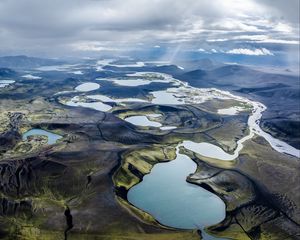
<point x="56" y="28"/>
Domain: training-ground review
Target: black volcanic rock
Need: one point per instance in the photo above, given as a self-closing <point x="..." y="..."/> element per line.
<point x="6" y="72"/>
<point x="194" y="75"/>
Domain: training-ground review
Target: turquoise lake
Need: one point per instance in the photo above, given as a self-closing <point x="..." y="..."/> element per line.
<point x="52" y="137"/>
<point x="165" y="194"/>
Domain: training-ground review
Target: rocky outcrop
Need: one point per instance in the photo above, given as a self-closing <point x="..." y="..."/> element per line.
<point x="10" y="136"/>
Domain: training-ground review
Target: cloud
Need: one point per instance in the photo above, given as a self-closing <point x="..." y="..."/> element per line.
<point x="63" y="27"/>
<point x="255" y="52"/>
<point x="289" y="11"/>
<point x="255" y="39"/>
<point x="235" y="25"/>
<point x="279" y="41"/>
<point x="91" y="46"/>
<point x="217" y="40"/>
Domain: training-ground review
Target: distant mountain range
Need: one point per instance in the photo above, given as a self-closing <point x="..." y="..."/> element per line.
<point x="25" y="62"/>
<point x="204" y="64"/>
<point x="235" y="77"/>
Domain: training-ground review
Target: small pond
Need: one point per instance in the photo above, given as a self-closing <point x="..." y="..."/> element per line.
<point x="52" y="137"/>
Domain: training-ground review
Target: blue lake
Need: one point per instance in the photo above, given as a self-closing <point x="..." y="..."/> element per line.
<point x="52" y="137"/>
<point x="165" y="194"/>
